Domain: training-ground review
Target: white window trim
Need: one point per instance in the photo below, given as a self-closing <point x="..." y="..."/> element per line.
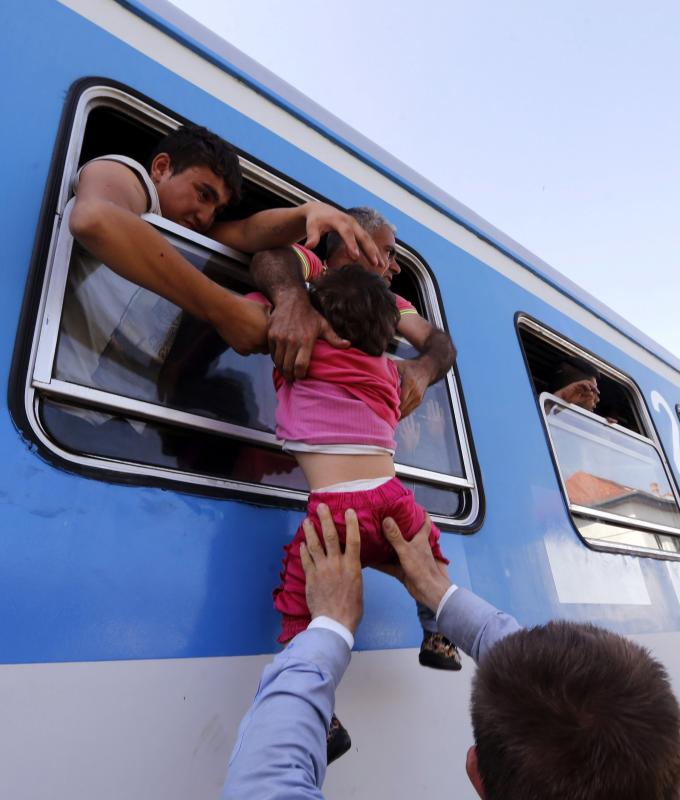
<point x="594" y="513"/>
<point x="40" y="383"/>
<point x="651" y="438"/>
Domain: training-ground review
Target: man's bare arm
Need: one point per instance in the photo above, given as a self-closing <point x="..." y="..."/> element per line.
<point x="278" y="227"/>
<point x="437" y="354"/>
<point x="105" y="220"/>
<point x="294" y="325"/>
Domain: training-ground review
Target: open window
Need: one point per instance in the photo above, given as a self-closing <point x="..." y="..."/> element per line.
<point x="613" y="472"/>
<point x="165" y="398"/>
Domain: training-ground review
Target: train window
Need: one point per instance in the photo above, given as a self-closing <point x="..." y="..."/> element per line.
<point x="165" y="397"/>
<point x="613" y="472"/>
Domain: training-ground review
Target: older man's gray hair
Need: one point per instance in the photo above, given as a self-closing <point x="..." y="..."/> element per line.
<point x="369" y="219"/>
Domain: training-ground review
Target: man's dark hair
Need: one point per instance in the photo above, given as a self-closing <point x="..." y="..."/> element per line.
<point x="359" y="307"/>
<point x="572" y="370"/>
<point x="574" y="712"/>
<point x="195" y="146"/>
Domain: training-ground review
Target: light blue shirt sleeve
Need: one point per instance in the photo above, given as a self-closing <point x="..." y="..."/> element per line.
<point x="473" y="624"/>
<point x="280" y="750"/>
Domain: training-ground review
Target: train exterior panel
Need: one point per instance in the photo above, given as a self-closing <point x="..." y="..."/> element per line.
<point x="137" y="610"/>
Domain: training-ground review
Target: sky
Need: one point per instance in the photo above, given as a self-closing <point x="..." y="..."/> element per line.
<point x="559" y="123"/>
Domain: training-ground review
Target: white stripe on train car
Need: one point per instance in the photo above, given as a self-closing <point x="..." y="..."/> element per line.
<point x="165" y="729"/>
<point x="584" y="576"/>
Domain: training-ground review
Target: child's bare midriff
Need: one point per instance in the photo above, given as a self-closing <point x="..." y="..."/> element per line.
<point x="323" y="469"/>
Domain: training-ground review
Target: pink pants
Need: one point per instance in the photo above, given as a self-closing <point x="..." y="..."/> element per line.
<point x="389" y="500"/>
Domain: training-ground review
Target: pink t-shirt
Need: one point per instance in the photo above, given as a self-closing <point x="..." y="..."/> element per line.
<point x="347" y="397"/>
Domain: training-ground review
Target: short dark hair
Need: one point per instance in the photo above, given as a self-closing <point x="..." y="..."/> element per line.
<point x="574" y="712"/>
<point x="571" y="370"/>
<point x="195" y="146"/>
<point x="359" y="306"/>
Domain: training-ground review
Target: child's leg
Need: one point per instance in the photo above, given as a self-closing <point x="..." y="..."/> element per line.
<point x="410" y="517"/>
<point x="436" y="650"/>
<point x="289" y="596"/>
<point x="427" y="617"/>
<point x="290" y="600"/>
<point x="428" y="620"/>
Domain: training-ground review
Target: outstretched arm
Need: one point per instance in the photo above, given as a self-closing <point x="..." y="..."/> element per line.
<point x="294" y="325"/>
<point x="437" y="354"/>
<point x="463" y="617"/>
<point x="106" y="221"/>
<point x="280" y="749"/>
<point x="278" y="227"/>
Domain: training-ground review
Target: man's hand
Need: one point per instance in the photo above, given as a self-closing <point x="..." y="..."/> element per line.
<point x="294" y="327"/>
<point x="426" y="579"/>
<point x="334" y="585"/>
<point x="321" y="218"/>
<point x="437" y="355"/>
<point x="583" y="393"/>
<point x="415" y="378"/>
<point x="242" y="323"/>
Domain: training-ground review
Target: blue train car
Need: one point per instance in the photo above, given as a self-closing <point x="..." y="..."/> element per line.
<point x="137" y="564"/>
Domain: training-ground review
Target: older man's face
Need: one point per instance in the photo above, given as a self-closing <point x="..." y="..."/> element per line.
<point x="384" y="239"/>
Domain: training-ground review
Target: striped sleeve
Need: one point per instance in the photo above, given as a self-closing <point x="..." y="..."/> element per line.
<point x="405" y="308"/>
<point x="311" y="264"/>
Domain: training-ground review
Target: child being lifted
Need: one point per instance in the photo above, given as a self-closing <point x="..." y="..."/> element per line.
<point x="339" y="423"/>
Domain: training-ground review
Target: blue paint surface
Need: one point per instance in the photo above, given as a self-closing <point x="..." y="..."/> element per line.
<point x="91" y="570"/>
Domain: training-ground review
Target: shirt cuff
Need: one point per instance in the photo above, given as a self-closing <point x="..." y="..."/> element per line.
<point x="442" y="602"/>
<point x="336" y="627"/>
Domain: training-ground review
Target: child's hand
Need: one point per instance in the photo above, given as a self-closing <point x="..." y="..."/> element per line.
<point x="334" y="585"/>
<point x="434" y="416"/>
<point x="409" y="434"/>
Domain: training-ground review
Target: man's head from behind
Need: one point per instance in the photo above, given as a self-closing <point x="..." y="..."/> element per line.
<point x="196" y="174"/>
<point x="573" y="712"/>
<point x="359" y="307"/>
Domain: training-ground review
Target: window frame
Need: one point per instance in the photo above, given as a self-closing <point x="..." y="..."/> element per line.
<point x="38" y="376"/>
<point x="561" y="343"/>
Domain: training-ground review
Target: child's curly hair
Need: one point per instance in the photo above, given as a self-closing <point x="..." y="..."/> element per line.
<point x="359" y="306"/>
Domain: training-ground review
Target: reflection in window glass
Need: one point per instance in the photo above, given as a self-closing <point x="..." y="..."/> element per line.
<point x="127" y="341"/>
<point x="608" y="470"/>
<point x="120" y="338"/>
<point x="608" y="533"/>
<point x="197" y="452"/>
<point x="148" y="442"/>
<point x="427" y="438"/>
<point x="122" y="375"/>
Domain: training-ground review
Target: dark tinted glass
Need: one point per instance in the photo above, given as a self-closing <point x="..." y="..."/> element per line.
<point x="93" y="432"/>
<point x="144" y="348"/>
